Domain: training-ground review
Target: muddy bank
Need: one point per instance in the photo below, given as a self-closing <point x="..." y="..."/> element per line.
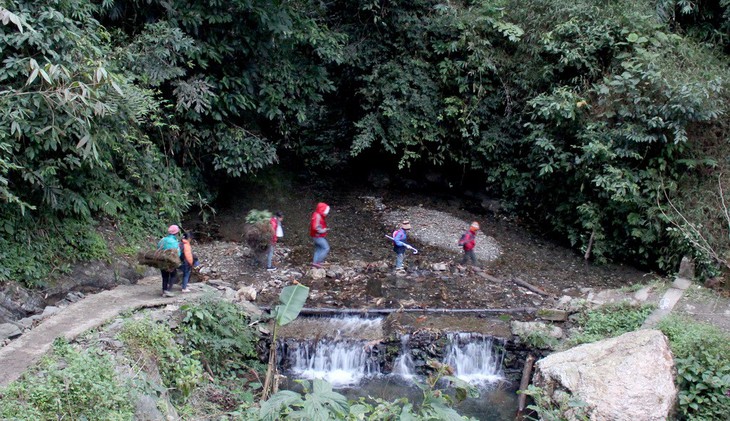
<point x="360" y="265"/>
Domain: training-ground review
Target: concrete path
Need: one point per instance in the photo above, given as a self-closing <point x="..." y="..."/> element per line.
<point x="88" y="313"/>
<point x="666" y="304"/>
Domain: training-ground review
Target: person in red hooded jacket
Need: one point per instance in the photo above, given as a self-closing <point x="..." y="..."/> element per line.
<point x="318" y="231"/>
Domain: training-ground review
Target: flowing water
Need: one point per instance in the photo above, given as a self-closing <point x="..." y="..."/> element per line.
<point x="343" y="353"/>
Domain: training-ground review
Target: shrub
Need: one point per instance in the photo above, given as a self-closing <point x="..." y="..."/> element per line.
<point x="702" y="357"/>
<point x="68" y="384"/>
<point x="179" y="371"/>
<point x="219" y="332"/>
<point x="611" y="320"/>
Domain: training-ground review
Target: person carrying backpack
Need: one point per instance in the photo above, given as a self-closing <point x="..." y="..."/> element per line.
<point x="399" y="246"/>
<point x="468" y="241"/>
<point x="188" y="261"/>
<point x="169" y="242"/>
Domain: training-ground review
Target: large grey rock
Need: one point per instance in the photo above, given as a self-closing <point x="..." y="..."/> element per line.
<point x="17" y="302"/>
<point x="246" y="293"/>
<point x="9" y="331"/>
<point x="145" y="409"/>
<point x="686" y="268"/>
<point x="524" y="329"/>
<point x="627" y="378"/>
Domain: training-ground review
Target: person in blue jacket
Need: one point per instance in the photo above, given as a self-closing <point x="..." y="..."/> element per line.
<point x="169" y="242"/>
<point x="399" y="246"/>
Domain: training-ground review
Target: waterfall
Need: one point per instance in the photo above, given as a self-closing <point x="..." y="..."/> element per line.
<point x="340" y="362"/>
<point x="473" y="358"/>
<point x="403" y="365"/>
<point x="332" y="348"/>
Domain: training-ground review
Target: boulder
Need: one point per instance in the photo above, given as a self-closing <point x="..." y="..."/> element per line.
<point x="247" y="293"/>
<point x="626" y="378"/>
<point x="686" y="268"/>
<point x="524" y="329"/>
<point x="552" y="314"/>
<point x="318" y="273"/>
<point x="9" y="331"/>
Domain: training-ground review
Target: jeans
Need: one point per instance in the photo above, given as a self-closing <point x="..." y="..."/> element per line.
<point x="469" y="255"/>
<point x="168" y="278"/>
<point x="186" y="272"/>
<point x="270" y="256"/>
<point x="399" y="260"/>
<point x="321" y="248"/>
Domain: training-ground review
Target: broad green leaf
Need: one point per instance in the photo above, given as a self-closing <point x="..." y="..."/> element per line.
<point x="292" y="300"/>
<point x="270" y="410"/>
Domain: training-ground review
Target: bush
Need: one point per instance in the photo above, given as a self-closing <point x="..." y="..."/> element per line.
<point x="219" y="332"/>
<point x="611" y="320"/>
<point x="702" y="357"/>
<point x="179" y="371"/>
<point x="68" y="384"/>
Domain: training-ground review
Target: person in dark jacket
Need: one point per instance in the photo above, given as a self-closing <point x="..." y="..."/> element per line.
<point x="318" y="231"/>
<point x="468" y="241"/>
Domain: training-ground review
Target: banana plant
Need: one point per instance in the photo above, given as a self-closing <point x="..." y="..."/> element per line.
<point x="291" y="301"/>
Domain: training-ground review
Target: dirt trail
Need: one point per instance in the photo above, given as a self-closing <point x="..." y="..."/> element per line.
<point x="89" y="313"/>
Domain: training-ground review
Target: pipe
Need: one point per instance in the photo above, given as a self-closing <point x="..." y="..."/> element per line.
<point x="311" y="311"/>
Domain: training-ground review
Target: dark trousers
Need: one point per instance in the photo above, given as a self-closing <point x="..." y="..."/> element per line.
<point x="168" y="278"/>
<point x="469" y="255"/>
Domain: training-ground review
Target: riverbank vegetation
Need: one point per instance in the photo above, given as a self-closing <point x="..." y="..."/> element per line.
<point x="203" y="360"/>
<point x="606" y="123"/>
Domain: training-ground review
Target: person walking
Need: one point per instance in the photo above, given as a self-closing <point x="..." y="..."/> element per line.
<point x="318" y="231"/>
<point x="187" y="261"/>
<point x="468" y="241"/>
<point x="399" y="247"/>
<point x="277" y="231"/>
<point x="169" y="242"/>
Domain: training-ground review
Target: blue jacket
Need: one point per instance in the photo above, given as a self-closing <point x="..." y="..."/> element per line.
<point x="169" y="242"/>
<point x="399" y="237"/>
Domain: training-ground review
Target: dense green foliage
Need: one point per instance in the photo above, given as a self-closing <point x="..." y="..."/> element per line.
<point x="610" y="320"/>
<point x="218" y="333"/>
<point x="585" y="117"/>
<point x="702" y="357"/>
<point x="73" y="149"/>
<point x="68" y="384"/>
<point x="180" y="371"/>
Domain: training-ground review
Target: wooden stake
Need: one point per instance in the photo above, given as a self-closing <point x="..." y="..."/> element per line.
<point x="524" y="384"/>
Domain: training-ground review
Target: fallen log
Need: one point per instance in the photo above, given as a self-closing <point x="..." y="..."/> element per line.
<point x="524" y="384"/>
<point x="491" y="278"/>
<point x="531" y="287"/>
<point x="312" y="311"/>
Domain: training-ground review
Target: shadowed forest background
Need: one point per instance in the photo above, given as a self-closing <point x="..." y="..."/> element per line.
<point x="603" y="122"/>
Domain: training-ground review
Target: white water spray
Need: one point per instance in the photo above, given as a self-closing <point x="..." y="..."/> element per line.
<point x="341" y="363"/>
<point x="474" y="359"/>
<point x="403" y="365"/>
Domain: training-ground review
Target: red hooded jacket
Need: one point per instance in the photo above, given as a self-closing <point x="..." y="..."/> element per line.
<point x="318" y="226"/>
